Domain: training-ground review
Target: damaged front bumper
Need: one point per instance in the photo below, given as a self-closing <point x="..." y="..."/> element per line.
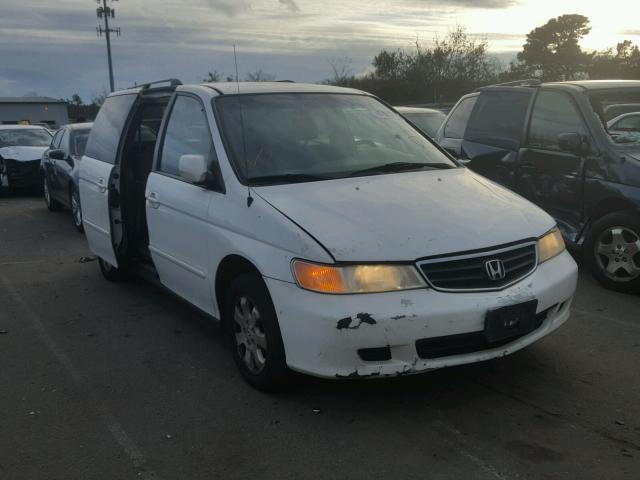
<point x="20" y="174"/>
<point x="395" y="333"/>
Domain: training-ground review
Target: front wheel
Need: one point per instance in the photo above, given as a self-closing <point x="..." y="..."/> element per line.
<point x="612" y="248"/>
<point x="76" y="210"/>
<point x="52" y="204"/>
<point x="111" y="273"/>
<point x="255" y="334"/>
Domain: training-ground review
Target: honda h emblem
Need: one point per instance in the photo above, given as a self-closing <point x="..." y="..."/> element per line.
<point x="495" y="269"/>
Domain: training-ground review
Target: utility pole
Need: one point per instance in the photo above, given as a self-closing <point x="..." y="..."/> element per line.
<point x="105" y="12"/>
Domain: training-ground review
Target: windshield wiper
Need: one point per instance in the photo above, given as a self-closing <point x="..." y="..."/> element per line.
<point x="286" y="178"/>
<point x="400" y="167"/>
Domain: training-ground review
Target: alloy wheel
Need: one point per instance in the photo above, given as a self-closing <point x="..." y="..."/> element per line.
<point x="47" y="194"/>
<point x="75" y="209"/>
<point x="249" y="335"/>
<point x="617" y="252"/>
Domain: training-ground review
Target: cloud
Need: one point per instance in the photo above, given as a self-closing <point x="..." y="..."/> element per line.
<point x="291" y="5"/>
<point x="230" y="8"/>
<point x="488" y="4"/>
<point x="631" y="32"/>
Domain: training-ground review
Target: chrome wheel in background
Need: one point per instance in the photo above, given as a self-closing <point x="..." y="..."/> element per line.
<point x="617" y="251"/>
<point x="52" y="204"/>
<point x="76" y="210"/>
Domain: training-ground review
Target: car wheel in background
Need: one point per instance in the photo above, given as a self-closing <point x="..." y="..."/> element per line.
<point x="76" y="210"/>
<point x="255" y="334"/>
<point x="52" y="204"/>
<point x="612" y="250"/>
<point x="111" y="273"/>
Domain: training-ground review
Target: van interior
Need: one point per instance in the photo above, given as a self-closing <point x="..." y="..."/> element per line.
<point x="129" y="221"/>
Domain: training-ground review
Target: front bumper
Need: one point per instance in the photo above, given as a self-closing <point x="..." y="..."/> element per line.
<point x="20" y="174"/>
<point x="322" y="334"/>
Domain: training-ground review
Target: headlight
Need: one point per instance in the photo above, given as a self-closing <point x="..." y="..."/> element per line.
<point x="356" y="278"/>
<point x="550" y="245"/>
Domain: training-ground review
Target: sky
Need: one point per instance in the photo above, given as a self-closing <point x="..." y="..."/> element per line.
<point x="51" y="48"/>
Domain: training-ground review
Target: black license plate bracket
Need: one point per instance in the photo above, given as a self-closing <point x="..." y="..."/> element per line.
<point x="510" y="321"/>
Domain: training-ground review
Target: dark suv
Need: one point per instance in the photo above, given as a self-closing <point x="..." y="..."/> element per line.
<point x="549" y="143"/>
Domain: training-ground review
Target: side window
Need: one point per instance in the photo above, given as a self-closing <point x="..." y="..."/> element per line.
<point x="187" y="134"/>
<point x="55" y="142"/>
<point x="498" y="118"/>
<point x="105" y="135"/>
<point x="554" y="113"/>
<point x="632" y="122"/>
<point x="64" y="141"/>
<point x="79" y="142"/>
<point x="457" y="122"/>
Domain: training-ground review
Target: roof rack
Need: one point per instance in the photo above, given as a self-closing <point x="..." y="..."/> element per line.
<point x="173" y="82"/>
<point x="527" y="82"/>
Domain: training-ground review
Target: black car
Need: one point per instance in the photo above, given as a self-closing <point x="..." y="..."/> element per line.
<point x="60" y="164"/>
<point x="549" y="142"/>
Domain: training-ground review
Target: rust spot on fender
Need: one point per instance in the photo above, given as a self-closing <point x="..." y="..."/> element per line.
<point x="348" y="322"/>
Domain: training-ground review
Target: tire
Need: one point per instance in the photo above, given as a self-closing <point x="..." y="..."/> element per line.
<point x="111" y="273"/>
<point x="612" y="251"/>
<point x="254" y="332"/>
<point x="52" y="204"/>
<point x="76" y="209"/>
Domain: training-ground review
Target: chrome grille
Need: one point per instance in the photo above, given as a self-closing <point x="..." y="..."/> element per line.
<point x="468" y="271"/>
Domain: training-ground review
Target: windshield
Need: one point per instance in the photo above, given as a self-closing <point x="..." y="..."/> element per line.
<point x="429" y="123"/>
<point x="609" y="105"/>
<point x="305" y="137"/>
<point x="25" y="137"/>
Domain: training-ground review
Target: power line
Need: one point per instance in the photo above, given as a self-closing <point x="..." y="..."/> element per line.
<point x="103" y="11"/>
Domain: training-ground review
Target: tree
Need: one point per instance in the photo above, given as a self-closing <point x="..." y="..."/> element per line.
<point x="623" y="63"/>
<point x="75" y="100"/>
<point x="391" y="65"/>
<point x="260" y="76"/>
<point x="449" y="67"/>
<point x="341" y="70"/>
<point x="212" y="77"/>
<point x="98" y="98"/>
<point x="553" y="49"/>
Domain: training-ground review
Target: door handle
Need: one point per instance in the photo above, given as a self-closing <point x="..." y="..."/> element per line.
<point x="152" y="198"/>
<point x="101" y="185"/>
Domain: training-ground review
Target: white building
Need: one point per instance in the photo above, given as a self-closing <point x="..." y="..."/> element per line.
<point x="33" y="110"/>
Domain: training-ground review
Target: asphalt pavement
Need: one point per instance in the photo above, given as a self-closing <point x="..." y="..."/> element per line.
<point x="123" y="381"/>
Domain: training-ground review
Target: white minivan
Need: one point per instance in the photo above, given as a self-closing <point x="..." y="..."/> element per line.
<point x="328" y="234"/>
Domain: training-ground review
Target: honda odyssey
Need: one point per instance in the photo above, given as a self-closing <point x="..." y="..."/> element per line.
<point x="328" y="234"/>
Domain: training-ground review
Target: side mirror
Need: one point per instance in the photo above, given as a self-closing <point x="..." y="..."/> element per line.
<point x="193" y="168"/>
<point x="573" y="142"/>
<point x="57" y="154"/>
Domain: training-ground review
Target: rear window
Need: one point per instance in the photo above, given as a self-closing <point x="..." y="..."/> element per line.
<point x="458" y="119"/>
<point x="105" y="135"/>
<point x="498" y="119"/>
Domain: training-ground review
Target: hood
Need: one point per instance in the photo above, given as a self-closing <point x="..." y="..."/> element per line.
<point x="22" y="154"/>
<point x="406" y="216"/>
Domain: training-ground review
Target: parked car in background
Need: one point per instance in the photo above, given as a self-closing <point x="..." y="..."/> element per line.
<point x="21" y="149"/>
<point x="426" y="119"/>
<point x="325" y="231"/>
<point x="549" y="143"/>
<point x="60" y="167"/>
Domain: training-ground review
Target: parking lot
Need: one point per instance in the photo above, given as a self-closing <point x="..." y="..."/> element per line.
<point x="103" y="380"/>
